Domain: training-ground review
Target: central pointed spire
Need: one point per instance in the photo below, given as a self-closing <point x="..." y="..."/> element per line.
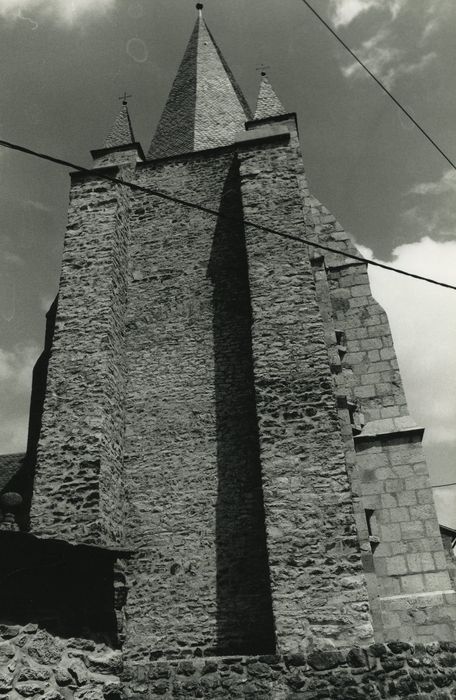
<point x="205" y="107"/>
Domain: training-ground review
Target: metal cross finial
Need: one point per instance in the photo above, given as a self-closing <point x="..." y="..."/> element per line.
<point x="124" y="98"/>
<point x="262" y="67"/>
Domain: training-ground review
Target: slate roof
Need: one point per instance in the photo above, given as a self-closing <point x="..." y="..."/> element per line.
<point x="268" y="104"/>
<point x="122" y="130"/>
<point x="205" y="107"/>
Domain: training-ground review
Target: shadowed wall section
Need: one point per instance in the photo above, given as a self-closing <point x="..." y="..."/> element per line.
<point x="66" y="590"/>
<point x="318" y="586"/>
<point x="199" y="583"/>
<point x="244" y="608"/>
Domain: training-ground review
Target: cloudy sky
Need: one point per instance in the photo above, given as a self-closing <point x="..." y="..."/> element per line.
<point x="65" y="62"/>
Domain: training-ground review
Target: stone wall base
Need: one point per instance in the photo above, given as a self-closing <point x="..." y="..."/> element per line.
<point x="35" y="664"/>
<point x="393" y="670"/>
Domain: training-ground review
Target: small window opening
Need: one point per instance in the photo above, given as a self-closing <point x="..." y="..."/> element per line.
<point x="356" y="417"/>
<point x="372" y="528"/>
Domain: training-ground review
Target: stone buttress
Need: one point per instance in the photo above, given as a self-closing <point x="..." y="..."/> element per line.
<point x="410" y="589"/>
<point x="78" y="489"/>
<point x="221" y="444"/>
<point x="410" y="592"/>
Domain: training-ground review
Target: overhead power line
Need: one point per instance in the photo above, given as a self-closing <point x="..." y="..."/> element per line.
<point x="380" y="84"/>
<point x="215" y="213"/>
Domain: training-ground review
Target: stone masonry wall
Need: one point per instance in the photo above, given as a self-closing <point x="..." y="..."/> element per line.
<point x="36" y="664"/>
<point x="395" y="670"/>
<point x="390" y="484"/>
<point x="116" y="156"/>
<point x="78" y="484"/>
<point x="199" y="579"/>
<point x="250" y="366"/>
<point x="369" y="365"/>
<point x="416" y="594"/>
<point x="346" y="417"/>
<point x="318" y="586"/>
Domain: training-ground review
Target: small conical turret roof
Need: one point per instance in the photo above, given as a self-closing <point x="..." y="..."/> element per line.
<point x="205" y="107"/>
<point x="268" y="104"/>
<point x="121" y="133"/>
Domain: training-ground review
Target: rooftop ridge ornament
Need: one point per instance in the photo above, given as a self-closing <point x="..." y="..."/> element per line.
<point x="263" y="69"/>
<point x="199" y="7"/>
<point x="124" y="98"/>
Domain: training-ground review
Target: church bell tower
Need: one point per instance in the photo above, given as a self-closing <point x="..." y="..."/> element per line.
<point x="220" y="418"/>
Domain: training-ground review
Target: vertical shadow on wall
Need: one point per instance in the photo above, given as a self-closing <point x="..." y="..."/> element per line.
<point x="244" y="608"/>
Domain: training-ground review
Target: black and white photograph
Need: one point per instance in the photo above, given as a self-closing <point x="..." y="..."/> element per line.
<point x="228" y="349"/>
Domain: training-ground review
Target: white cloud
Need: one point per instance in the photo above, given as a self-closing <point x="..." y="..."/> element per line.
<point x="16" y="367"/>
<point x="447" y="183"/>
<point x="430" y="27"/>
<point x="377" y="54"/>
<point x="396" y="6"/>
<point x="15" y="384"/>
<point x="45" y="302"/>
<point x="437" y="13"/>
<point x="434" y="207"/>
<point x="402" y="69"/>
<point x="445" y="498"/>
<point x="13" y="434"/>
<point x="9" y="258"/>
<point x="384" y="52"/>
<point x="343" y="12"/>
<point x="386" y="61"/>
<point x="66" y="11"/>
<point x="39" y="206"/>
<point x="422" y="318"/>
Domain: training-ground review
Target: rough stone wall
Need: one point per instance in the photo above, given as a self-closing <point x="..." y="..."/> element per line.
<point x="392" y="495"/>
<point x="198" y="580"/>
<point x="237" y="379"/>
<point x="318" y="586"/>
<point x="122" y="156"/>
<point x="395" y="670"/>
<point x="369" y="364"/>
<point x="36" y="664"/>
<point x="78" y="484"/>
<point x="336" y="352"/>
<point x="416" y="595"/>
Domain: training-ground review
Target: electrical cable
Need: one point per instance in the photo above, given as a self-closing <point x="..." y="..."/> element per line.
<point x="380" y="84"/>
<point x="213" y="212"/>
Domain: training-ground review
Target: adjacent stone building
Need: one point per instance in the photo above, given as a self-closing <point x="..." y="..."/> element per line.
<point x="223" y="495"/>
